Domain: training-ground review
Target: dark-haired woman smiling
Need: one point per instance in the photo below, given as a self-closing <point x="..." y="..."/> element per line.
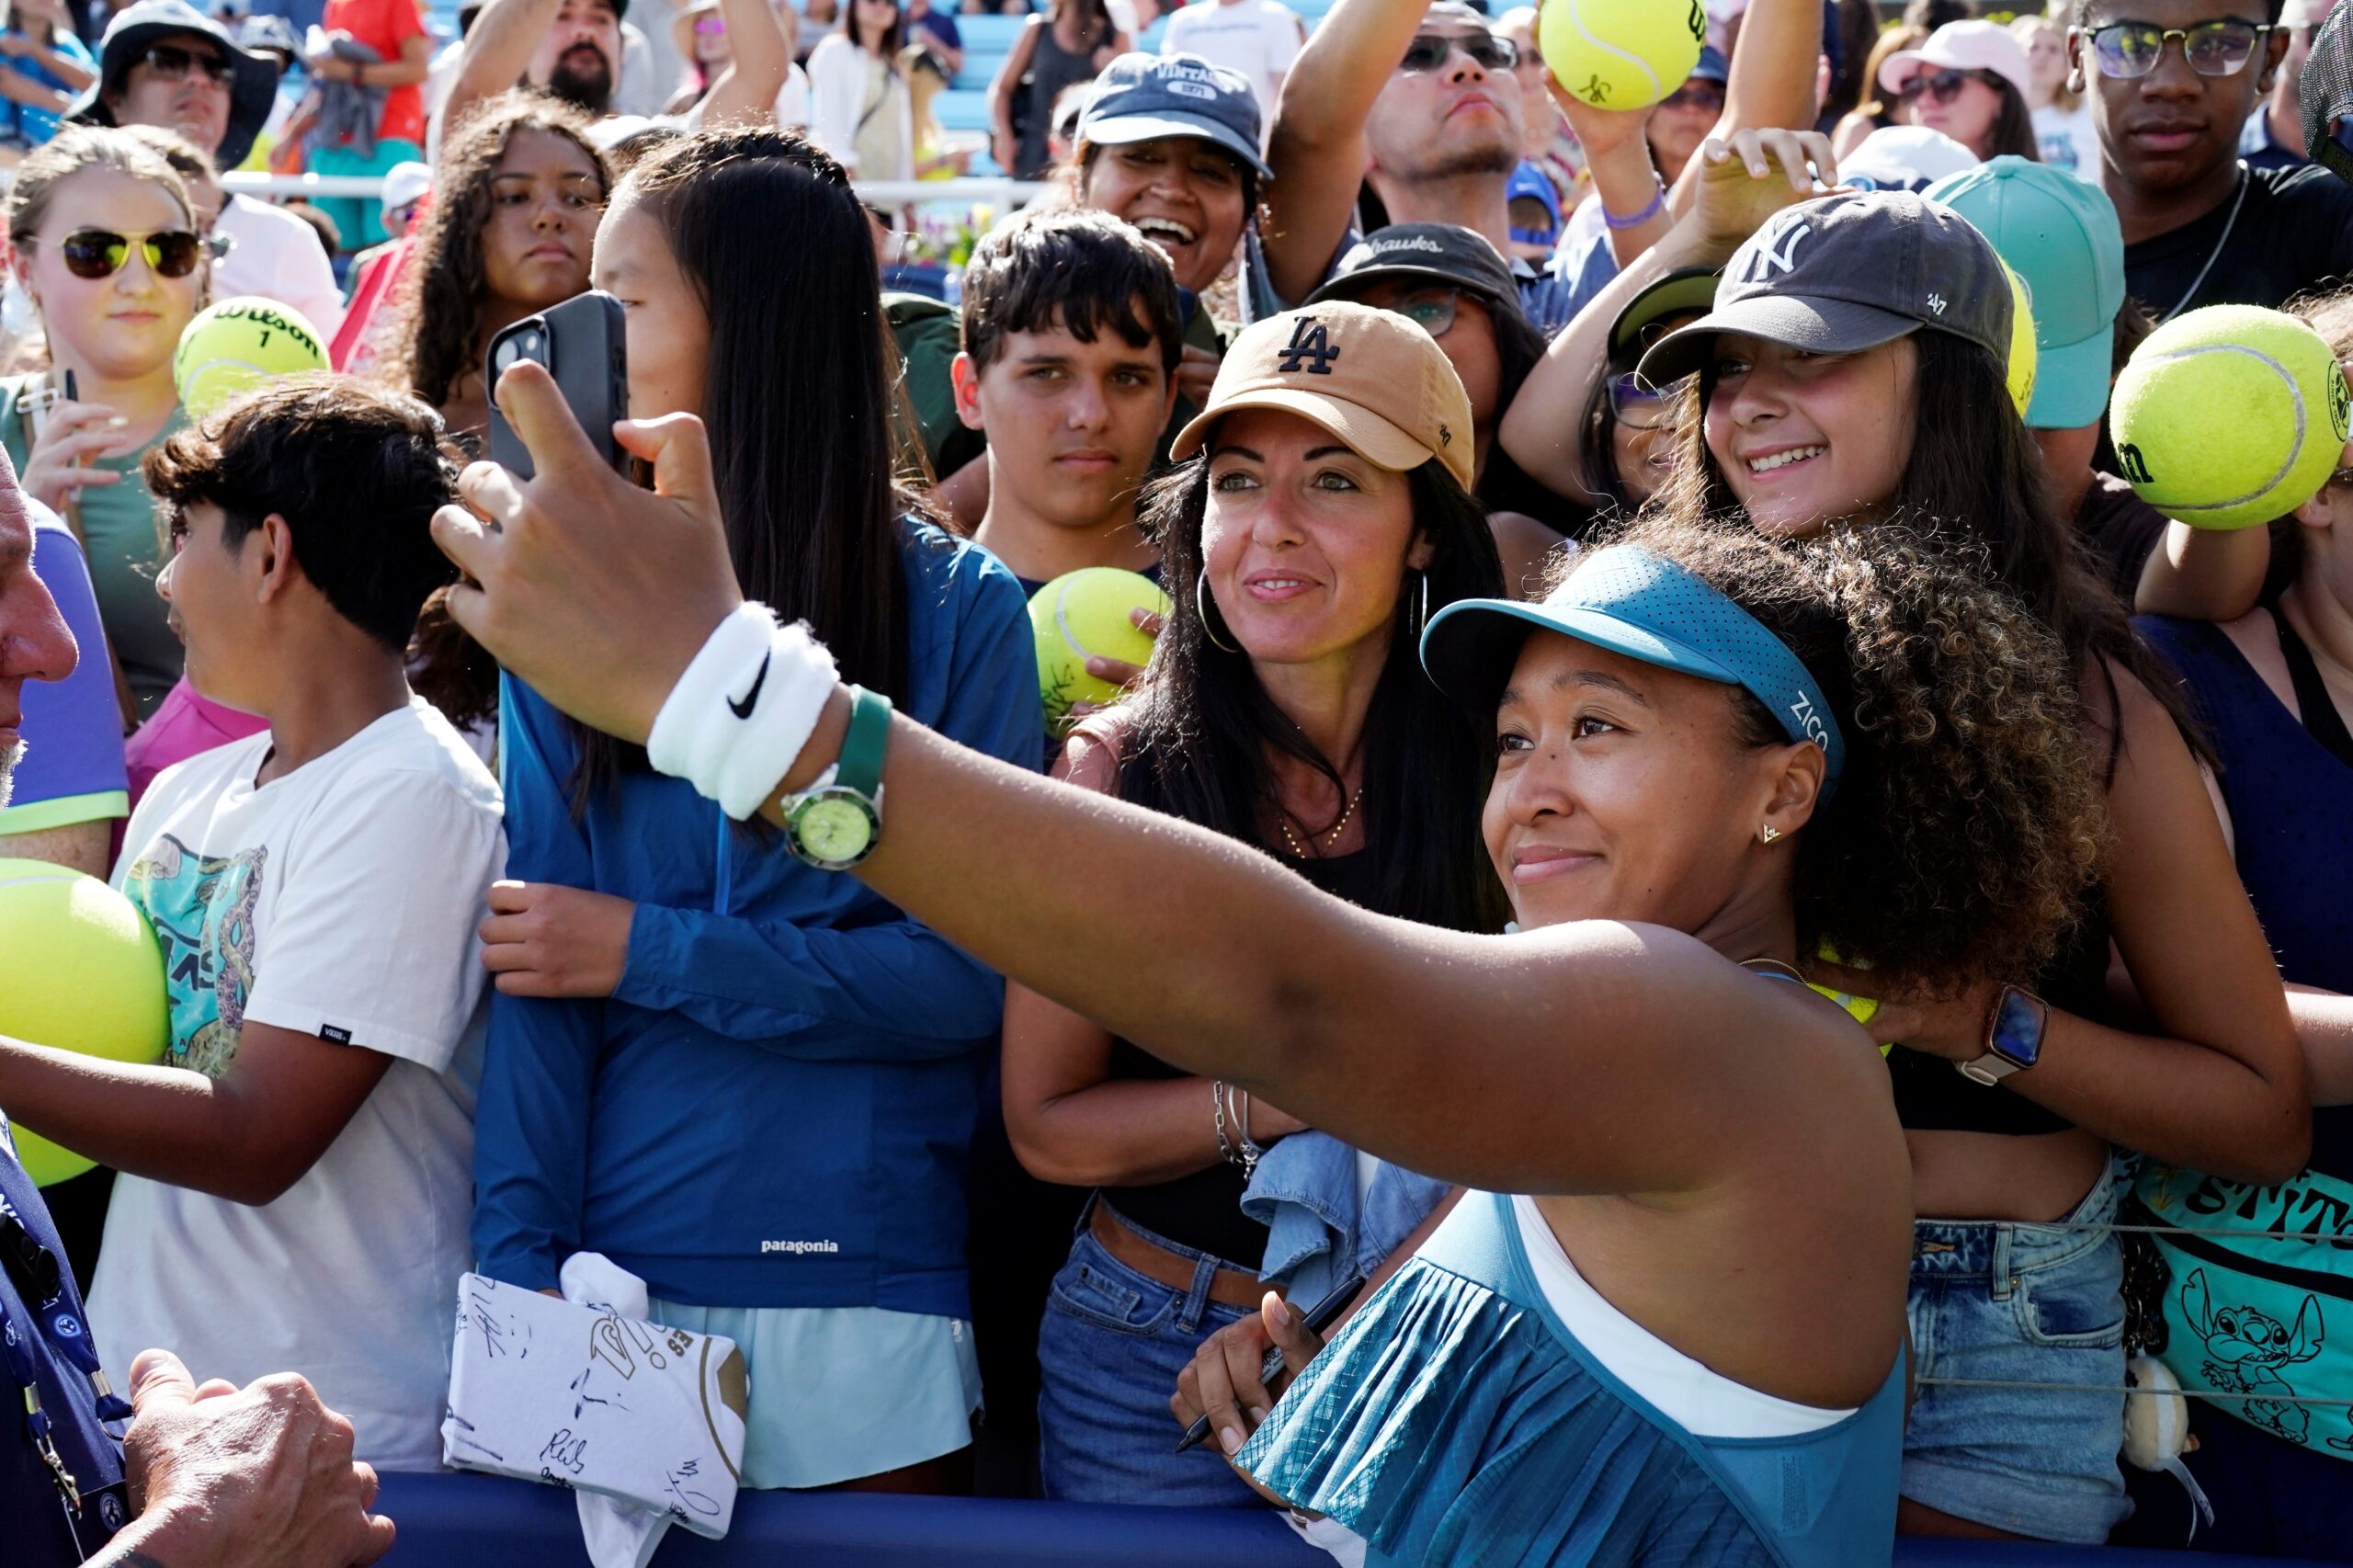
<point x="702" y="1045"/>
<point x="1284" y="706"/>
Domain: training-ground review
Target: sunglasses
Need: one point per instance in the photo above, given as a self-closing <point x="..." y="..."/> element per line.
<point x="171" y="62"/>
<point x="1639" y="405"/>
<point x="2214" y="49"/>
<point x="1695" y="94"/>
<point x="711" y="27"/>
<point x="100" y="252"/>
<point x="1430" y="51"/>
<point x="1942" y="86"/>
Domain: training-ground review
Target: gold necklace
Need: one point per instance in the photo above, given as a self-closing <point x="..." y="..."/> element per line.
<point x="1298" y="849"/>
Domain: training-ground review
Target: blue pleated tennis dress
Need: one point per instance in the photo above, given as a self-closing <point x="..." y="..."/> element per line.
<point x="1456" y="1420"/>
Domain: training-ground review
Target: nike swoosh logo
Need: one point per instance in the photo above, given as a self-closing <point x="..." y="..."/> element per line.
<point x="744" y="710"/>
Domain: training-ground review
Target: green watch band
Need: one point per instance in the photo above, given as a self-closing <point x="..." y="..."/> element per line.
<point x="862" y="748"/>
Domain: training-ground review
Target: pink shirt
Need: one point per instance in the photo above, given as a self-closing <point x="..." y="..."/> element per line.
<point x="184" y="723"/>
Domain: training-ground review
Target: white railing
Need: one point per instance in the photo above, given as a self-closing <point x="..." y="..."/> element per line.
<point x="1002" y="193"/>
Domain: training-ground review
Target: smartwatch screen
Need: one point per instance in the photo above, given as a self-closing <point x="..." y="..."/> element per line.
<point x="2018" y="1027"/>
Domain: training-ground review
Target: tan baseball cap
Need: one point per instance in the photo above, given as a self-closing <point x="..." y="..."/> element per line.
<point x="1372" y="378"/>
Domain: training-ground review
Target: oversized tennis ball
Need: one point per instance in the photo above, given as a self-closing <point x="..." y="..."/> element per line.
<point x="1621" y="54"/>
<point x="235" y="344"/>
<point x="1080" y="614"/>
<point x="82" y="973"/>
<point x="2229" y="417"/>
<point x="2024" y="357"/>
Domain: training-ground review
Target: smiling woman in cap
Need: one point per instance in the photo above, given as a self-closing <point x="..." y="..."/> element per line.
<point x="1322" y="520"/>
<point x="1854" y="369"/>
<point x="1714" y="750"/>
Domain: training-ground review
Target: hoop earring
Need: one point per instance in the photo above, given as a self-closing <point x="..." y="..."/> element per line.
<point x="1422" y="621"/>
<point x="1201" y="608"/>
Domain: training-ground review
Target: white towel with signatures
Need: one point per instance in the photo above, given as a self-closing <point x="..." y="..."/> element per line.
<point x="645" y="1423"/>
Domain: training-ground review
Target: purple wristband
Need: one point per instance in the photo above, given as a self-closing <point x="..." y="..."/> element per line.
<point x="1658" y="203"/>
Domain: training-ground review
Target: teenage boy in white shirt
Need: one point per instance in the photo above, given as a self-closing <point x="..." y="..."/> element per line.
<point x="296" y="1185"/>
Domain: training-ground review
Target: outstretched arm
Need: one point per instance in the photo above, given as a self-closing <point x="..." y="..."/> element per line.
<point x="497" y="51"/>
<point x="1458" y="1056"/>
<point x="745" y="92"/>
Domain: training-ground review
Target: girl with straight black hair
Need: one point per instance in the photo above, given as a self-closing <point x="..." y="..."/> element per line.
<point x="742" y="1080"/>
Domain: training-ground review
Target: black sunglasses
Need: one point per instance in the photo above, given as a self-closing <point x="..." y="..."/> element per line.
<point x="171" y="62"/>
<point x="1430" y="51"/>
<point x="1695" y="94"/>
<point x="100" y="252"/>
<point x="1942" y="86"/>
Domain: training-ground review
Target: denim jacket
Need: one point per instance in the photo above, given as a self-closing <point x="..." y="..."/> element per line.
<point x="1304" y="1192"/>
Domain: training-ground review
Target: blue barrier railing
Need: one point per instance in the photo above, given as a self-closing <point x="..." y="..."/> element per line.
<point x="479" y="1521"/>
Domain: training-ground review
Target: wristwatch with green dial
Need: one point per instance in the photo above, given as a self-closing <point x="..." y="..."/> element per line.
<point x="837" y="821"/>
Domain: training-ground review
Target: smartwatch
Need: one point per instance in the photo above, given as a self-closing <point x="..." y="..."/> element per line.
<point x="2014" y="1030"/>
<point x="837" y="821"/>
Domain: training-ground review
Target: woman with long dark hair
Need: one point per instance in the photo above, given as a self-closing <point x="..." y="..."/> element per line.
<point x="701" y="1045"/>
<point x="1284" y="706"/>
<point x="860" y="109"/>
<point x="1854" y="371"/>
<point x="1055" y="51"/>
<point x="515" y="205"/>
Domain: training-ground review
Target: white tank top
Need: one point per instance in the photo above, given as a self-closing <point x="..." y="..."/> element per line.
<point x="1703" y="1402"/>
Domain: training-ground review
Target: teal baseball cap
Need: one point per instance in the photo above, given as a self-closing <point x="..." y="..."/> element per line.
<point x="1633" y="602"/>
<point x="2060" y="235"/>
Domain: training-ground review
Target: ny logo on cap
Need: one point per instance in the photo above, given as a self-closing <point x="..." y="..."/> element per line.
<point x="1309" y="340"/>
<point x="1769" y="253"/>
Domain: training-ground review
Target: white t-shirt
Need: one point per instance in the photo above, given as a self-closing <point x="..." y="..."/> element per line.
<point x="2066" y="139"/>
<point x="1258" y="38"/>
<point x="339" y="901"/>
<point x="279" y="256"/>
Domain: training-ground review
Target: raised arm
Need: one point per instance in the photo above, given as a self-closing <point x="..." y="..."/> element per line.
<point x="1595" y="1056"/>
<point x="745" y="92"/>
<point x="497" y="52"/>
<point x="1317" y="148"/>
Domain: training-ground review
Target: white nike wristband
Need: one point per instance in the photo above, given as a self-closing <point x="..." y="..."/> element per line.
<point x="738" y="718"/>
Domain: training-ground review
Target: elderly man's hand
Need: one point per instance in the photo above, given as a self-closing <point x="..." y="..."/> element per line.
<point x="261" y="1477"/>
<point x="596" y="591"/>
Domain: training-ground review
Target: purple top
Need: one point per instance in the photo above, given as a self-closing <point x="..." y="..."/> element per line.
<point x="73" y="767"/>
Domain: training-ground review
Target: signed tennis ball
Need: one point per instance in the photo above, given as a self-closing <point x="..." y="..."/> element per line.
<point x="235" y="344"/>
<point x="1083" y="613"/>
<point x="84" y="974"/>
<point x="2230" y="416"/>
<point x="1621" y="54"/>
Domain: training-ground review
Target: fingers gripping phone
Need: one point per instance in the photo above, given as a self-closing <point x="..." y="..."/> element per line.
<point x="581" y="343"/>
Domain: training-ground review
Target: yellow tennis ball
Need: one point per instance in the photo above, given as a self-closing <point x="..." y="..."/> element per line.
<point x="236" y="345"/>
<point x="2229" y="417"/>
<point x="1081" y="614"/>
<point x="2024" y="357"/>
<point x="1621" y="54"/>
<point x="84" y="974"/>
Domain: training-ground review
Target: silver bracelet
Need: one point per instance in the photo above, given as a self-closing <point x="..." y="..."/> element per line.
<point x="1217" y="1107"/>
<point x="1250" y="1151"/>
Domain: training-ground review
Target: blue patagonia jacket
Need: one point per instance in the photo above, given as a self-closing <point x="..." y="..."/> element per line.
<point x="775" y="1107"/>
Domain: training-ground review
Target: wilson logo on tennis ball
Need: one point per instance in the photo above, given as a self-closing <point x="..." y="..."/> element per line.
<point x="238" y="343"/>
<point x="1621" y="54"/>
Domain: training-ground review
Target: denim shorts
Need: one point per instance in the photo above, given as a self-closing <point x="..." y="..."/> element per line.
<point x="2011" y="1303"/>
<point x="1109" y="1353"/>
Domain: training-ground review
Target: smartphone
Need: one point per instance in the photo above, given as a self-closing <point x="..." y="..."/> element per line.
<point x="581" y="343"/>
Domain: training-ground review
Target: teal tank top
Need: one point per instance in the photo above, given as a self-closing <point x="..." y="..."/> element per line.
<point x="1455" y="1420"/>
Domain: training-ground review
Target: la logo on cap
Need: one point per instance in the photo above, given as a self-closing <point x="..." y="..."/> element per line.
<point x="1309" y="340"/>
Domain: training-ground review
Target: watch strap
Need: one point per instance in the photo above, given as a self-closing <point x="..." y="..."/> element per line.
<point x="862" y="748"/>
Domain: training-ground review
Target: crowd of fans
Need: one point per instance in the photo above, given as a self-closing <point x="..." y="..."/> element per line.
<point x="1415" y="381"/>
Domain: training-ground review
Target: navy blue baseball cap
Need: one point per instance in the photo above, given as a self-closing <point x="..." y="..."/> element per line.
<point x="1141" y="97"/>
<point x="1626" y="599"/>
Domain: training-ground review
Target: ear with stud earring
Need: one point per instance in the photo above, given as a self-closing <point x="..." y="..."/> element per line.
<point x="1768" y="833"/>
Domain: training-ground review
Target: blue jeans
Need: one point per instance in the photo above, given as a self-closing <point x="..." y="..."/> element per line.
<point x="1109" y="1353"/>
<point x="2010" y="1304"/>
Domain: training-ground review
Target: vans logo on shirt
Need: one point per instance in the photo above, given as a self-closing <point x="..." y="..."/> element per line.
<point x="334" y="1036"/>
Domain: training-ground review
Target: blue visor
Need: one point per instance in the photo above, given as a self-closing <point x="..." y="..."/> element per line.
<point x="1631" y="602"/>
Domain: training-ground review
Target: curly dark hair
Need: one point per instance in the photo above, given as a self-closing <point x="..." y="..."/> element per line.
<point x="1970" y="825"/>
<point x="438" y="337"/>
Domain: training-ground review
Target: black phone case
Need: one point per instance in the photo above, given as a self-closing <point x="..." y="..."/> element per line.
<point x="582" y="345"/>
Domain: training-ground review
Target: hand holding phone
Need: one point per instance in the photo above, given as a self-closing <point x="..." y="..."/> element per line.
<point x="581" y="343"/>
